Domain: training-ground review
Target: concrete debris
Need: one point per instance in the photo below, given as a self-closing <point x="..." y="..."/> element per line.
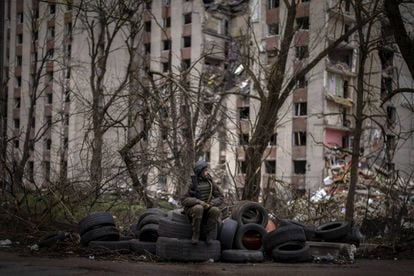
<point x="329" y="252"/>
<point x="5" y="243"/>
<point x="33" y="247"/>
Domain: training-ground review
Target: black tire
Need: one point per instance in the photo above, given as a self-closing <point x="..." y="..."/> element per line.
<point x="354" y="236"/>
<point x="282" y="235"/>
<point x="51" y="239"/>
<point x="110" y="245"/>
<point x="178" y="216"/>
<point x="333" y="230"/>
<point x="227" y="233"/>
<point x="95" y="220"/>
<point x="151" y="211"/>
<point x="105" y="233"/>
<point x="172" y="249"/>
<point x="149" y="233"/>
<point x="251" y="228"/>
<point x="242" y="256"/>
<point x="309" y="230"/>
<point x="150" y="219"/>
<point x="250" y="212"/>
<point x="141" y="247"/>
<point x="291" y="252"/>
<point x="172" y="229"/>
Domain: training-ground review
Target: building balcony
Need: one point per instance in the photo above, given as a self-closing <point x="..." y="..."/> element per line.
<point x="19" y="50"/>
<point x="345" y="102"/>
<point x="339" y="67"/>
<point x="272" y="16"/>
<point x="298" y="152"/>
<point x="302" y="10"/>
<point x="337" y="10"/>
<point x="302" y="38"/>
<point x="68" y="16"/>
<point x="187" y="30"/>
<point x="186" y="53"/>
<point x="272" y="43"/>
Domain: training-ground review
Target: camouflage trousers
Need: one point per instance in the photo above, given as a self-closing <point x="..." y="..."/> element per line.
<point x="207" y="218"/>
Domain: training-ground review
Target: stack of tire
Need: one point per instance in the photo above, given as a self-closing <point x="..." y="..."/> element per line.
<point x="174" y="242"/>
<point x="242" y="235"/>
<point x="146" y="229"/>
<point x="98" y="227"/>
<point x="288" y="242"/>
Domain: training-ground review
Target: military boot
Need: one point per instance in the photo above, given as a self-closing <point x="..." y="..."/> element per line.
<point x="196" y="230"/>
<point x="211" y="233"/>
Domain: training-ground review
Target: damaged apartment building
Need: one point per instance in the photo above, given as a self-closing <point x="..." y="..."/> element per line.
<point x="314" y="135"/>
<point x="309" y="143"/>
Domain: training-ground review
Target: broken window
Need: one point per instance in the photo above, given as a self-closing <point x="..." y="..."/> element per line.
<point x="17" y="102"/>
<point x="243" y="139"/>
<point x="244" y="112"/>
<point x="16" y="143"/>
<point x="49" y="98"/>
<point x="273" y="29"/>
<point x="50" y="32"/>
<point x="148" y="4"/>
<point x="167" y="22"/>
<point x="299" y="166"/>
<point x="147" y="26"/>
<point x="186" y="41"/>
<point x="19" y="38"/>
<point x="147" y="47"/>
<point x="166" y="44"/>
<point x="272" y="4"/>
<point x="19" y="60"/>
<point x="165" y="66"/>
<point x="19" y="17"/>
<point x="302" y="82"/>
<point x="299" y="138"/>
<point x="391" y="114"/>
<point x="242" y="167"/>
<point x="187" y="18"/>
<point x="302" y="23"/>
<point x="68" y="28"/>
<point x="302" y="52"/>
<point x="391" y="142"/>
<point x="52" y="9"/>
<point x="300" y="109"/>
<point x="336" y="85"/>
<point x="270" y="166"/>
<point x="16" y="123"/>
<point x="185" y="64"/>
<point x="48" y="143"/>
<point x="47" y="170"/>
<point x="273" y="139"/>
<point x="18" y="81"/>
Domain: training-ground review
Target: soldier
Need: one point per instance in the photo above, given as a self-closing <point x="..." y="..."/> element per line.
<point x="202" y="201"/>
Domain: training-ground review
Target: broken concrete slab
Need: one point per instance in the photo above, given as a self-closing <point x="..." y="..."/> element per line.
<point x="332" y="252"/>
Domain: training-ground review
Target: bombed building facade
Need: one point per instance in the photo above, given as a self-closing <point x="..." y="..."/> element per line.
<point x="198" y="53"/>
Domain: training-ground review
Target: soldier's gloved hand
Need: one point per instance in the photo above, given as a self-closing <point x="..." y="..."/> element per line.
<point x="205" y="205"/>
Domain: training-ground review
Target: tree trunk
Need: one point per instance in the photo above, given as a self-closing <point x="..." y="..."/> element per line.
<point x="96" y="162"/>
<point x="356" y="145"/>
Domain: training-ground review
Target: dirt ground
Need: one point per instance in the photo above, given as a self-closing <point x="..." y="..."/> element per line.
<point x="15" y="264"/>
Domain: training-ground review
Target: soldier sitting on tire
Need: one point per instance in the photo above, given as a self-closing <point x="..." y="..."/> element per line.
<point x="202" y="202"/>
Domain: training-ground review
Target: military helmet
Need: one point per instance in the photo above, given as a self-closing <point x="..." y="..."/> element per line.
<point x="199" y="166"/>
